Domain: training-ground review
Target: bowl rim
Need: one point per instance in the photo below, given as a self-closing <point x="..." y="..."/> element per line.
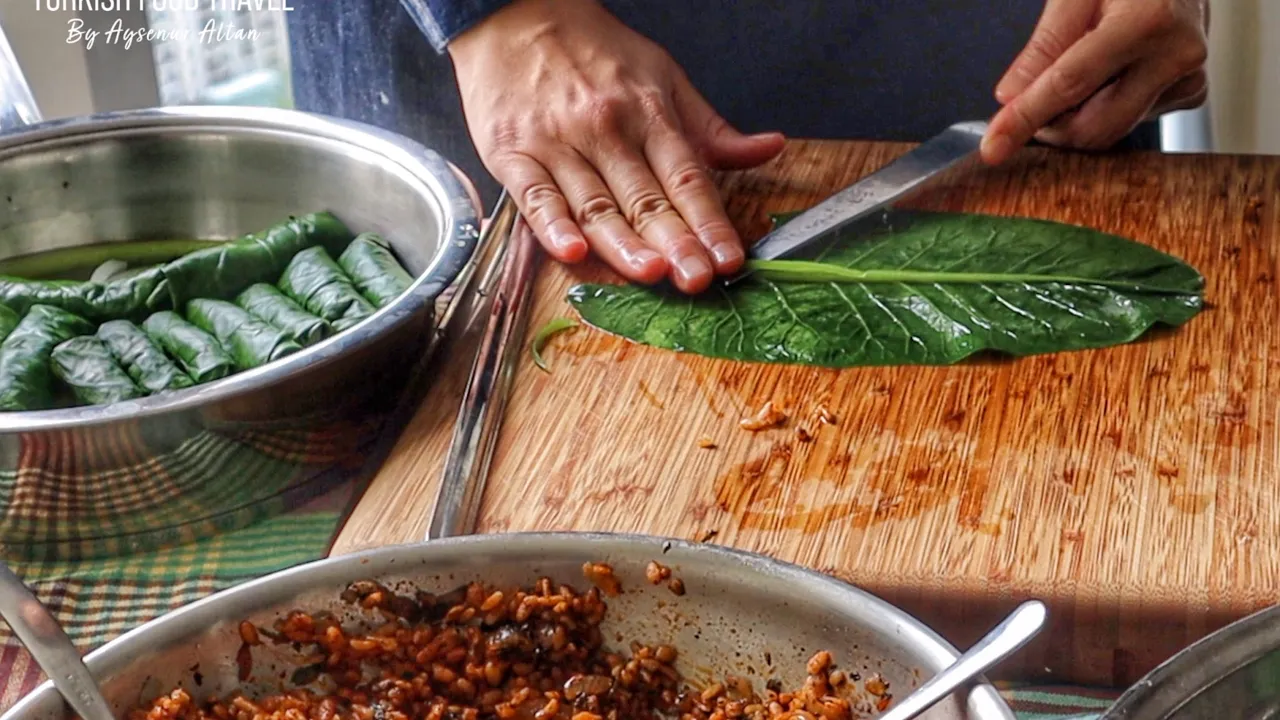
<point x="1198" y="667"/>
<point x="982" y="701"/>
<point x="459" y="223"/>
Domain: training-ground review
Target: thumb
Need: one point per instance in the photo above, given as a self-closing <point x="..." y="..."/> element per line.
<point x="1062" y="23"/>
<point x="721" y="146"/>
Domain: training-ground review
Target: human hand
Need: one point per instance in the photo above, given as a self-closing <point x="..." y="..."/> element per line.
<point x="1094" y="69"/>
<point x="602" y="141"/>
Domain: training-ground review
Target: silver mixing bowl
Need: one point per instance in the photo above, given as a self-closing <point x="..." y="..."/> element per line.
<point x="121" y="477"/>
<point x="743" y="614"/>
<point x="1232" y="674"/>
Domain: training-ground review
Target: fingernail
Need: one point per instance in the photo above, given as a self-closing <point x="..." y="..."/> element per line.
<point x="642" y="258"/>
<point x="564" y="240"/>
<point x="996" y="147"/>
<point x="727" y="254"/>
<point x="692" y="267"/>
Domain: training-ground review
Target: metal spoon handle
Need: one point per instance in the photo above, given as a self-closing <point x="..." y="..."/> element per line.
<point x="50" y="646"/>
<point x="1010" y="635"/>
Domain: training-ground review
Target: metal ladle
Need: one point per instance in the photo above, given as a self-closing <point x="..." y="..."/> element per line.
<point x="1015" y="631"/>
<point x="36" y="627"/>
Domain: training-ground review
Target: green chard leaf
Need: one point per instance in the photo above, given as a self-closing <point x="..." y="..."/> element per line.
<point x="917" y="288"/>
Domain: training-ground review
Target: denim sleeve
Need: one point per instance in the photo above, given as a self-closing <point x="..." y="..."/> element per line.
<point x="443" y="20"/>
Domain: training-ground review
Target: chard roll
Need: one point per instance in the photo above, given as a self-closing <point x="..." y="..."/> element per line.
<point x="141" y="358"/>
<point x="85" y="365"/>
<point x="26" y="378"/>
<point x="268" y="304"/>
<point x="221" y="272"/>
<point x="318" y="283"/>
<point x="374" y="270"/>
<point x="198" y="352"/>
<point x="250" y="341"/>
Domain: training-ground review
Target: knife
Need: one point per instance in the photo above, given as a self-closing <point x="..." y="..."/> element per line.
<point x="872" y="192"/>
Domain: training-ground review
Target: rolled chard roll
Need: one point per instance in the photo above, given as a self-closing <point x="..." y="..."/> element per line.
<point x="374" y="270"/>
<point x="268" y="304"/>
<point x="318" y="283"/>
<point x="133" y="297"/>
<point x="198" y="352"/>
<point x="250" y="341"/>
<point x="223" y="271"/>
<point x="85" y="365"/>
<point x="26" y="378"/>
<point x="141" y="358"/>
<point x="8" y="321"/>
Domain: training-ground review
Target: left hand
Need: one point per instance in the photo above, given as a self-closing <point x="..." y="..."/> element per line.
<point x="1094" y="69"/>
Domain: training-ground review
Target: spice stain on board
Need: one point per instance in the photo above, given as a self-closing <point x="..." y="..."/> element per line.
<point x="647" y="393"/>
<point x="759" y="494"/>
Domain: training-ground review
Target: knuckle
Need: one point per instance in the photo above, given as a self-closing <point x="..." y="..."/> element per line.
<point x="594" y="209"/>
<point x="504" y="133"/>
<point x="1160" y="17"/>
<point x="1069" y="83"/>
<point x="1193" y="54"/>
<point x="716" y="229"/>
<point x="1022" y="118"/>
<point x="605" y="114"/>
<point x="1046" y="44"/>
<point x="688" y="179"/>
<point x="646" y="207"/>
<point x="653" y="104"/>
<point x="540" y="197"/>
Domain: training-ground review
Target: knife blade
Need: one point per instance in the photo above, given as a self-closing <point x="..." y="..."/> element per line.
<point x="872" y="192"/>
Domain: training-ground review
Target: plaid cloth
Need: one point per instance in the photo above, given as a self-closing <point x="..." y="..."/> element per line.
<point x="104" y="493"/>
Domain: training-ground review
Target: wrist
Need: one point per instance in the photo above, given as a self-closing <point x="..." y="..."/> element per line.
<point x="520" y="22"/>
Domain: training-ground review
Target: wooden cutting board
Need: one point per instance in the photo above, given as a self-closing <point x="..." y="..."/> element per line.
<point x="1133" y="488"/>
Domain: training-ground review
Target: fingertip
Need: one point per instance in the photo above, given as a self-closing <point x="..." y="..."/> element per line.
<point x="565" y="243"/>
<point x="770" y="143"/>
<point x="995" y="148"/>
<point x="575" y="252"/>
<point x="692" y="273"/>
<point x="644" y="266"/>
<point x="728" y="257"/>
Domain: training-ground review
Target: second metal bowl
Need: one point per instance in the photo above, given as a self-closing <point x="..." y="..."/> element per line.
<point x="118" y="477"/>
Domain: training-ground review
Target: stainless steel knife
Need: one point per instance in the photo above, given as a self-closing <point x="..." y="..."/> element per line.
<point x="872" y="192"/>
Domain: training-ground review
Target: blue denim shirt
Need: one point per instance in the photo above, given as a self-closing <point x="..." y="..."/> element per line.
<point x="865" y="69"/>
<point x="442" y="20"/>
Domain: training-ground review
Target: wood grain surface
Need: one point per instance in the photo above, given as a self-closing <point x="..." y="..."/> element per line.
<point x="1132" y="488"/>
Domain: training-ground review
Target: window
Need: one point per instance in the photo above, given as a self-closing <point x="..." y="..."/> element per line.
<point x="221" y="57"/>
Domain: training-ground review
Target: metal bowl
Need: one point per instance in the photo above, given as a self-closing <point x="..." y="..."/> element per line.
<point x="743" y="614"/>
<point x="1233" y="673"/>
<point x="223" y="452"/>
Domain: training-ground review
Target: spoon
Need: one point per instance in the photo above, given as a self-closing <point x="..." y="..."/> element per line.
<point x="1010" y="635"/>
<point x="51" y="648"/>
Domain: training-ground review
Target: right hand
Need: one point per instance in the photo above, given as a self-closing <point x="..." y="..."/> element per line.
<point x="602" y="141"/>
